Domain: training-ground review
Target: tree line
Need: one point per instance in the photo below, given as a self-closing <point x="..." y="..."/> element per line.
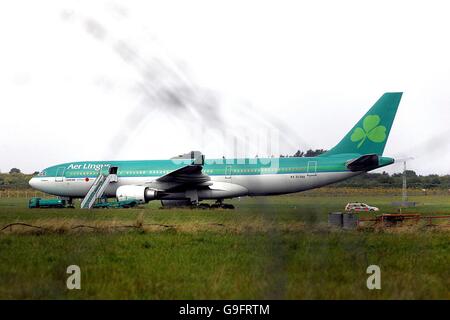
<point x="14" y="180"/>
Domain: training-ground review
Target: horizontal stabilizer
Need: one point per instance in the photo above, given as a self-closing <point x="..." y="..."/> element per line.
<point x="366" y="162"/>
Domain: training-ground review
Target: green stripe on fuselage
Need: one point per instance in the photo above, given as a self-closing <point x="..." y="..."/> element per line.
<point x="212" y="167"/>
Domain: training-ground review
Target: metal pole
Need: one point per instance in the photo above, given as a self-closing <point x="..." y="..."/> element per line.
<point x="405" y="195"/>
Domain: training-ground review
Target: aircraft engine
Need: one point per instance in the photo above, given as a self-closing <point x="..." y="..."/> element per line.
<point x="141" y="194"/>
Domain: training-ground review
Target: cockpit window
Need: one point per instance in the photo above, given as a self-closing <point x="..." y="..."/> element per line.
<point x="42" y="174"/>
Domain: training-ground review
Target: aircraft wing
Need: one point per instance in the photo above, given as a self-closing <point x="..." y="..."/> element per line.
<point x="189" y="176"/>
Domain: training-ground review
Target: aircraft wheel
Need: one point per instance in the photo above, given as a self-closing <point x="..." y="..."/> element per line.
<point x="204" y="206"/>
<point x="227" y="206"/>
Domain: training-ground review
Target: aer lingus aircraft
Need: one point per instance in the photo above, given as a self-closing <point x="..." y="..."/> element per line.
<point x="188" y="180"/>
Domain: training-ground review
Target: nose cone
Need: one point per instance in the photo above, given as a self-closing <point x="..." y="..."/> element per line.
<point x="33" y="183"/>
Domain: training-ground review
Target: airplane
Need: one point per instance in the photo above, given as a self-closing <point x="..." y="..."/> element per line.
<point x="189" y="179"/>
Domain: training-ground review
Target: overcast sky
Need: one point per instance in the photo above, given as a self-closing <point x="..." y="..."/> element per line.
<point x="145" y="80"/>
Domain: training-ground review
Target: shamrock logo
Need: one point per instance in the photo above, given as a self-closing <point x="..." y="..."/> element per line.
<point x="370" y="130"/>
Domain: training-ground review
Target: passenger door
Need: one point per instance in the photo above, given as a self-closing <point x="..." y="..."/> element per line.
<point x="312" y="168"/>
<point x="228" y="172"/>
<point x="60" y="174"/>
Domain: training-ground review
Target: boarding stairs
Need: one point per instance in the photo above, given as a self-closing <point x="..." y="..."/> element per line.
<point x="98" y="188"/>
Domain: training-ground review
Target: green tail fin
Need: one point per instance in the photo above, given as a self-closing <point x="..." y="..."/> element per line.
<point x="370" y="134"/>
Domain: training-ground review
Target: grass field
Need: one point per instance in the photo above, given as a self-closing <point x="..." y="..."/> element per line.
<point x="268" y="248"/>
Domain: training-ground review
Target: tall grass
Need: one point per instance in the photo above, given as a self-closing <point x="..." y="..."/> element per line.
<point x="275" y="247"/>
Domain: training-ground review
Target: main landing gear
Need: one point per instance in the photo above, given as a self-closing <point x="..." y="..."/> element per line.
<point x="167" y="204"/>
<point x="218" y="204"/>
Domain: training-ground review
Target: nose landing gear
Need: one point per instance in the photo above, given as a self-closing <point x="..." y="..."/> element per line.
<point x="69" y="202"/>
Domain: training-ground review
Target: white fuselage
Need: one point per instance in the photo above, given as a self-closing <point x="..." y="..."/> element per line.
<point x="251" y="185"/>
